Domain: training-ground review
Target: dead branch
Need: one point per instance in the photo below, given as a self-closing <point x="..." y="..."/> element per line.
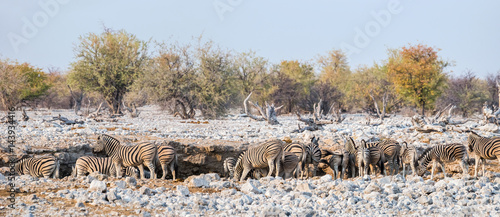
<point x="133" y="112"/>
<point x="96" y="113"/>
<point x="65" y="121"/>
<point x="268" y="115"/>
<point x="25" y="116"/>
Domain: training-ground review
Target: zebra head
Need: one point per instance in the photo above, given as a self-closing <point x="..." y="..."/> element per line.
<point x="99" y="146"/>
<point x="471" y="140"/>
<point x="421" y="170"/>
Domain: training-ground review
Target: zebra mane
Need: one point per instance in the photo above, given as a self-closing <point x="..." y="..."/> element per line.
<point x="426" y="151"/>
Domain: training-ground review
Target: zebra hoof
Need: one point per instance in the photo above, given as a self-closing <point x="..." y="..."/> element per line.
<point x="366" y="178"/>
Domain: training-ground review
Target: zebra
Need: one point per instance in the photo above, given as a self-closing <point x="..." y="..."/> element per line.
<point x="313" y="156"/>
<point x="391" y="150"/>
<point x="229" y="164"/>
<point x="483" y="149"/>
<point x="267" y="154"/>
<point x="370" y="156"/>
<point x="289" y="164"/>
<point x="334" y="160"/>
<point x="350" y="147"/>
<point x="167" y="159"/>
<point x="45" y="166"/>
<point x="443" y="154"/>
<point x="141" y="155"/>
<point x="301" y="152"/>
<point x="88" y="164"/>
<point x="408" y="155"/>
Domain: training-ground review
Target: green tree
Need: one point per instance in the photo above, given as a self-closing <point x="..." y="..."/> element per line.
<point x="335" y="70"/>
<point x="109" y="63"/>
<point x="250" y="70"/>
<point x="215" y="76"/>
<point x="418" y="74"/>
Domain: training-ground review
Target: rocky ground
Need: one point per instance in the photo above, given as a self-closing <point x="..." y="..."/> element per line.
<point x="203" y="145"/>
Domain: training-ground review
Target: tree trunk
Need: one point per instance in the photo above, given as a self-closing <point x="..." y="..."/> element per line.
<point x="423" y="108"/>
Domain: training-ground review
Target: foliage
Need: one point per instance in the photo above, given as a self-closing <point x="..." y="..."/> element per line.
<point x="215" y="76"/>
<point x="335" y="70"/>
<point x="58" y="96"/>
<point x="250" y="71"/>
<point x="417" y="73"/>
<point x="467" y="92"/>
<point x="109" y="63"/>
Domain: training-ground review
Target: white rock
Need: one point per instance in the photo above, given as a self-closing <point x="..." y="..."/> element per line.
<point x="131" y="182"/>
<point x="248" y="188"/>
<point x="211" y="177"/>
<point x="98" y="186"/>
<point x="245" y="199"/>
<point x="326" y="178"/>
<point x="2" y="177"/>
<point x="372" y="187"/>
<point x="304" y="187"/>
<point x="183" y="190"/>
<point x="198" y="183"/>
<point x="112" y="196"/>
<point x="121" y="184"/>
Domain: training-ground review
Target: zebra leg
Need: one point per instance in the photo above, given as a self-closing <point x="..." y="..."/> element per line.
<point x="244" y="174"/>
<point x="152" y="169"/>
<point x="277" y="163"/>
<point x="413" y="168"/>
<point x="172" y="170"/>
<point x="164" y="169"/>
<point x="336" y="171"/>
<point x="465" y="167"/>
<point x="433" y="168"/>
<point x="141" y="170"/>
<point x="483" y="161"/>
<point x="444" y="170"/>
<point x="404" y="167"/>
<point x="118" y="168"/>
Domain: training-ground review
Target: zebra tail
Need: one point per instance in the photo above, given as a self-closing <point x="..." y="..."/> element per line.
<point x="56" y="171"/>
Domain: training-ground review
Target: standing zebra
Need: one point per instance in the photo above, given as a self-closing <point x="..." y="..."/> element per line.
<point x="313" y="156"/>
<point x="408" y="156"/>
<point x="391" y="149"/>
<point x="443" y="154"/>
<point x="300" y="151"/>
<point x="229" y="164"/>
<point x="350" y="147"/>
<point x="370" y="156"/>
<point x="268" y="154"/>
<point x="45" y="166"/>
<point x="88" y="164"/>
<point x="141" y="155"/>
<point x="483" y="149"/>
<point x="168" y="159"/>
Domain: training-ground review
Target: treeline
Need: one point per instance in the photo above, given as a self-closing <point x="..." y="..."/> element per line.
<point x="117" y="68"/>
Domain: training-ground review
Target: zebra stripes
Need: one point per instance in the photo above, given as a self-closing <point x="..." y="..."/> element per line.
<point x="45" y="166"/>
<point x="300" y="151"/>
<point x="141" y="155"/>
<point x="313" y="156"/>
<point x="370" y="156"/>
<point x="88" y="164"/>
<point x="229" y="164"/>
<point x="391" y="149"/>
<point x="443" y="154"/>
<point x="408" y="156"/>
<point x="268" y="154"/>
<point x="168" y="159"/>
<point x="483" y="149"/>
<point x="288" y="165"/>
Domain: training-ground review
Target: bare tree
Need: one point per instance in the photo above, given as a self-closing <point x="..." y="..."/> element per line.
<point x="268" y="115"/>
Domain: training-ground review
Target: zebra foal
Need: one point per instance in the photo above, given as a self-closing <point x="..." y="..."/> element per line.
<point x="141" y="155"/>
<point x="409" y="156"/>
<point x="45" y="166"/>
<point x="268" y="154"/>
<point x="104" y="165"/>
<point x="483" y="149"/>
<point x="443" y="154"/>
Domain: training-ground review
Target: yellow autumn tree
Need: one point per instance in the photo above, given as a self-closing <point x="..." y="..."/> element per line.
<point x="418" y="74"/>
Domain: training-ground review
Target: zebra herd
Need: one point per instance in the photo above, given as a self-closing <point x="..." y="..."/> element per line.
<point x="122" y="159"/>
<point x="295" y="158"/>
<point x="275" y="157"/>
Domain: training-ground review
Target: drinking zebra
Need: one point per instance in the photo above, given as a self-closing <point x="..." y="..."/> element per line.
<point x="141" y="155"/>
<point x="391" y="149"/>
<point x="229" y="164"/>
<point x="168" y="159"/>
<point x="45" y="166"/>
<point x="268" y="154"/>
<point x="483" y="149"/>
<point x="299" y="150"/>
<point x="443" y="154"/>
<point x="331" y="162"/>
<point x="408" y="156"/>
<point x="288" y="166"/>
<point x="88" y="164"/>
<point x="313" y="156"/>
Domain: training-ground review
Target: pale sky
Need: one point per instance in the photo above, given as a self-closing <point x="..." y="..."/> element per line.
<point x="467" y="32"/>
